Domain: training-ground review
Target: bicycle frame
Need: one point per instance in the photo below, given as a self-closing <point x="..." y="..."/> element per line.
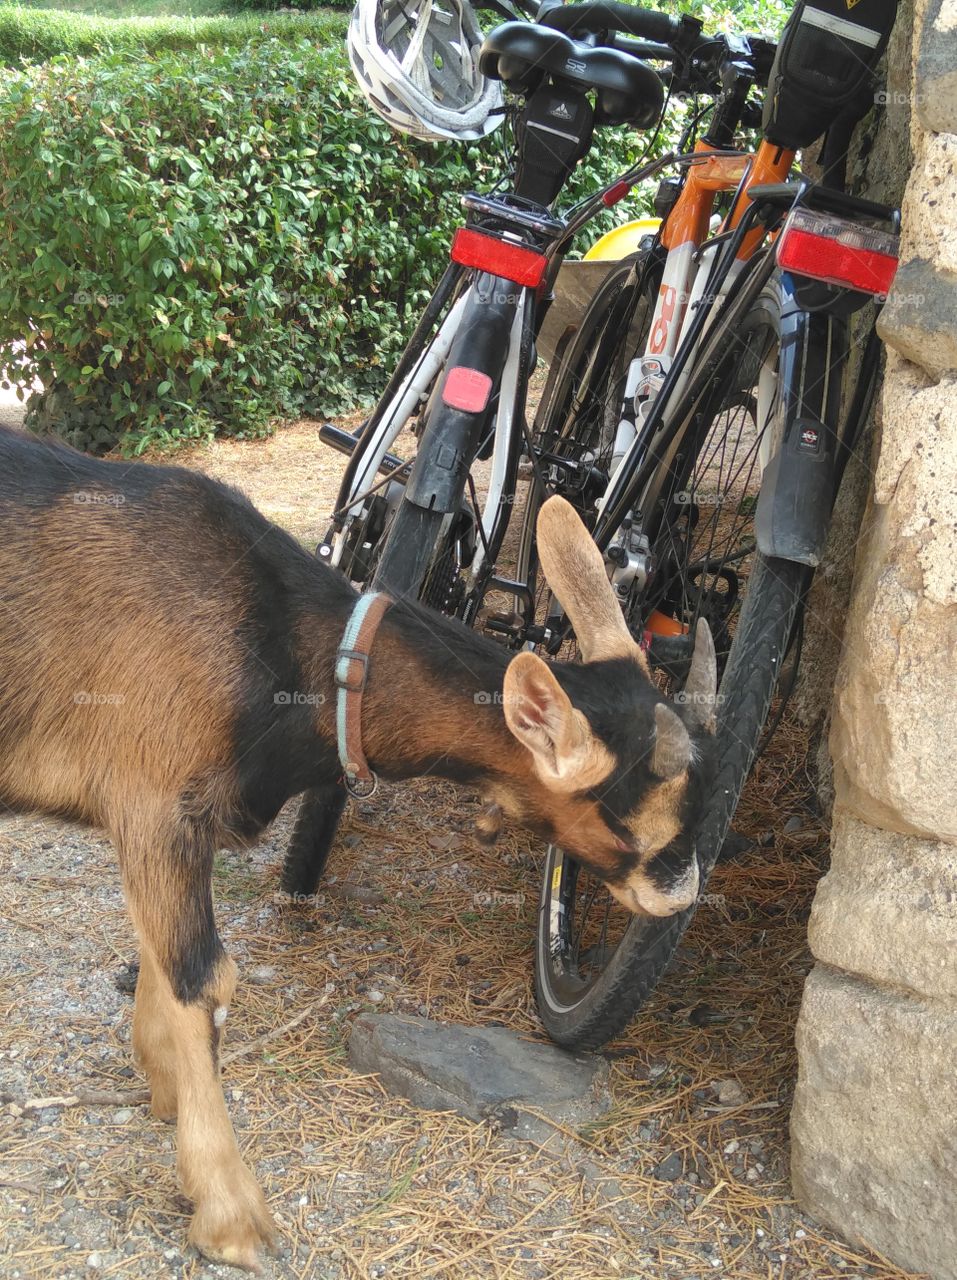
<point x="706" y="282"/>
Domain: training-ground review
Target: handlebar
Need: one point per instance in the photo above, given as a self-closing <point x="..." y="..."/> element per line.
<point x="610" y="15"/>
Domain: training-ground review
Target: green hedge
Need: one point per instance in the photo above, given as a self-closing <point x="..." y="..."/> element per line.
<point x="36" y="35"/>
<point x="210" y="239"/>
<point x="294" y="4"/>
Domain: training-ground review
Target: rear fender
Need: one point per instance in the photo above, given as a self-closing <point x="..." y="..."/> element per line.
<point x="797" y="488"/>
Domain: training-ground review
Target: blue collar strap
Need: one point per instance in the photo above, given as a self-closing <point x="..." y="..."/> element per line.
<point x="352" y="674"/>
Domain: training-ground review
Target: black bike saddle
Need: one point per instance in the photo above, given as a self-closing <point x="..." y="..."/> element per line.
<point x="522" y="54"/>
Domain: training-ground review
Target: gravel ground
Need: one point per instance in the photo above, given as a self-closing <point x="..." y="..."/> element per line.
<point x="685" y="1176"/>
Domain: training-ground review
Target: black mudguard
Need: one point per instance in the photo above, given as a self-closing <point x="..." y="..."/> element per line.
<point x="797" y="489"/>
<point x="451" y="436"/>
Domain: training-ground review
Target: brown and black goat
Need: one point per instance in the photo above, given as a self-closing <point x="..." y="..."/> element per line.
<point x="166" y="673"/>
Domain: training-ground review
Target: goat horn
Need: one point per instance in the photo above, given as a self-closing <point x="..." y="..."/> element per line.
<point x="701" y="686"/>
<point x="672" y="751"/>
<point x="575" y="571"/>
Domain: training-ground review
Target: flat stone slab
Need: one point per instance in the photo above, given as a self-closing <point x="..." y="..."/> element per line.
<point x="480" y="1072"/>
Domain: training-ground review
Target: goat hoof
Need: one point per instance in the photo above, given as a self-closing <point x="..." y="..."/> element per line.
<point x="234" y="1231"/>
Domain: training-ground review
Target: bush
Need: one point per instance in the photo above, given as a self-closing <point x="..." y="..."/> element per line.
<point x="212" y="239"/>
<point x="291" y="4"/>
<point x="35" y="35"/>
<point x="209" y="240"/>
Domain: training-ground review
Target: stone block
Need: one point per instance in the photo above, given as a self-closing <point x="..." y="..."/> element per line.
<point x="887" y="909"/>
<point x="874" y="1122"/>
<point x="935" y="79"/>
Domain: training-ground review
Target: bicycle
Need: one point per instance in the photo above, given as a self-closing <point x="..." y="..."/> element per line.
<point x="695" y="419"/>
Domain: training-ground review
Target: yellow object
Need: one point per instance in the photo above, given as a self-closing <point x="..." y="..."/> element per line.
<point x="621" y="241"/>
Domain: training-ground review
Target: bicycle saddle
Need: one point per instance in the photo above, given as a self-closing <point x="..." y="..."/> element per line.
<point x="522" y="54"/>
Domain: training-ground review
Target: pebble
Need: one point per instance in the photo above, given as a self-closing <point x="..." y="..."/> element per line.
<point x="729" y="1092"/>
<point x="376" y="996"/>
<point x="793" y="824"/>
<point x="123" y="1115"/>
<point x="670" y="1169"/>
<point x="94" y="1261"/>
<point x="705" y="1015"/>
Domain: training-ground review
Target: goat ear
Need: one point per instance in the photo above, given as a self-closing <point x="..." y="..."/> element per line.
<point x="575" y="572"/>
<point x="538" y="711"/>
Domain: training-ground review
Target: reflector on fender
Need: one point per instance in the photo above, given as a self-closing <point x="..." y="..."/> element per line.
<point x="838" y="251"/>
<point x="513" y="262"/>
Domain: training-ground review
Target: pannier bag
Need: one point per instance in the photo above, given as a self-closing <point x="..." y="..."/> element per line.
<point x="824" y="67"/>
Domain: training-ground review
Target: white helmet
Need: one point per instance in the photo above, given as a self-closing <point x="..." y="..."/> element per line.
<point x="416" y="62"/>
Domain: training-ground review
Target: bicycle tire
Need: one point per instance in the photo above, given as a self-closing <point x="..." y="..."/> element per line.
<point x="638" y="965"/>
<point x="647" y="946"/>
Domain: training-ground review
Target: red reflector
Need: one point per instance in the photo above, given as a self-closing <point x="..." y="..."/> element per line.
<point x="615" y="193"/>
<point x="467" y="389"/>
<point x="824" y="258"/>
<point x="512" y="262"/>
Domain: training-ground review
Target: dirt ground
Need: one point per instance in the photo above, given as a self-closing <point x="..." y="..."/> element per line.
<point x="415" y="916"/>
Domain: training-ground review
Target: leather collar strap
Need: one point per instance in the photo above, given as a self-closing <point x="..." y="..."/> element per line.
<point x="352" y="674"/>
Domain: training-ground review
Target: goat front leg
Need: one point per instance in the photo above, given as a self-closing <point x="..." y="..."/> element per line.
<point x="185" y="986"/>
<point x="315" y="830"/>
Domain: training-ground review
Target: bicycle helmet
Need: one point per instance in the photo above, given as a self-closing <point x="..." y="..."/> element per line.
<point x="416" y="62"/>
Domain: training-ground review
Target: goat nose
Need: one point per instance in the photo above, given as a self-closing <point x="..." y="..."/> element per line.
<point x="681" y="894"/>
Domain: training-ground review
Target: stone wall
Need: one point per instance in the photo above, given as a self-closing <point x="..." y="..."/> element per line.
<point x="874" y="1125"/>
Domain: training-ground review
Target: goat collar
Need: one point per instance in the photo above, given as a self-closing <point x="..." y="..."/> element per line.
<point x="352" y="674"/>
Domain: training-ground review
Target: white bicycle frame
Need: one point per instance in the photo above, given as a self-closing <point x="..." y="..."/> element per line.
<point x="408" y="399"/>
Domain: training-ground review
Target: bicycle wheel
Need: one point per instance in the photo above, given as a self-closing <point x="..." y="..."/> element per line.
<point x="574" y="429"/>
<point x="595" y="964"/>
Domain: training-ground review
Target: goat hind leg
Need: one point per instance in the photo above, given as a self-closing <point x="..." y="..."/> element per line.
<point x="316" y="823"/>
<point x="153" y="1047"/>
